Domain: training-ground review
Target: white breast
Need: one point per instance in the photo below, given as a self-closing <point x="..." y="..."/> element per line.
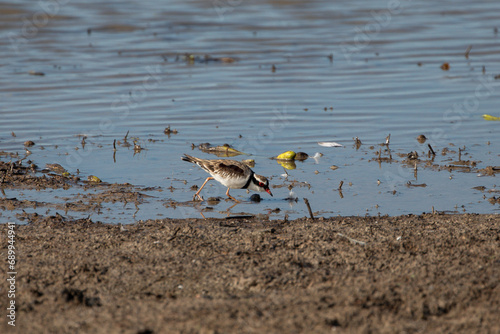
<point x="231" y="182"/>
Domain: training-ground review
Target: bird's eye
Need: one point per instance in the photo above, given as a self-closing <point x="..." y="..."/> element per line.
<point x="261" y="184"/>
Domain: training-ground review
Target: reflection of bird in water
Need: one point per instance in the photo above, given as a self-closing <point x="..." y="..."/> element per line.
<point x="231" y="173"/>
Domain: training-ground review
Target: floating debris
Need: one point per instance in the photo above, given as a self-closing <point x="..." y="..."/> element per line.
<point x="409" y="184"/>
<point x="227" y="59"/>
<point x="333" y="167"/>
<point x="316" y="157"/>
<point x="491" y="118"/>
<point x="329" y="144"/>
<point x="412" y="155"/>
<point x="29" y="143"/>
<point x="468" y="51"/>
<point x="357" y="142"/>
<point x="168" y="131"/>
<point x="421" y="139"/>
<point x="191" y="59"/>
<point x="221" y="151"/>
<point x="445" y="66"/>
<point x="387" y="140"/>
<point x="490" y="170"/>
<point x="137" y="148"/>
<point x="36" y="73"/>
<point x="93" y="178"/>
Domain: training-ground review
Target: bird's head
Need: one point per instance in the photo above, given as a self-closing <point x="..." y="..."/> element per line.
<point x="261" y="183"/>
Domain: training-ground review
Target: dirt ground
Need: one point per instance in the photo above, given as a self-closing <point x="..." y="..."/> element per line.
<point x="407" y="274"/>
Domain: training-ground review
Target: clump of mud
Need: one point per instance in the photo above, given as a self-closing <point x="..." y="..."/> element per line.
<point x="28" y="176"/>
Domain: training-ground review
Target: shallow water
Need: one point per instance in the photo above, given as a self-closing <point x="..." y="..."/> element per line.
<point x="117" y="67"/>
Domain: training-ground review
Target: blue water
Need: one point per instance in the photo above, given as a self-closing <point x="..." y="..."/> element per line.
<point x="119" y="66"/>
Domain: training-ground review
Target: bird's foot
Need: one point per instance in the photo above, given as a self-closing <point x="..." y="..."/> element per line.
<point x="233" y="199"/>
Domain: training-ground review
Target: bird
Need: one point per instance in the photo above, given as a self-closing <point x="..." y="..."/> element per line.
<point x="231" y="173"/>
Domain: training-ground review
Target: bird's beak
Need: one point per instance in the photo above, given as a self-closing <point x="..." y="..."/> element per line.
<point x="269" y="191"/>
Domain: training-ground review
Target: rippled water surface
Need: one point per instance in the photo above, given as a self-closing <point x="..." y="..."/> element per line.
<point x="303" y="72"/>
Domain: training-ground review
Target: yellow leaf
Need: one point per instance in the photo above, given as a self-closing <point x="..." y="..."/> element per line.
<point x="491" y="118"/>
<point x="288" y="155"/>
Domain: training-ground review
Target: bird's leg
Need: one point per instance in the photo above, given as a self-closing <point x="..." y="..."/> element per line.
<point x="232" y="206"/>
<point x="198" y="192"/>
<point x="231" y="197"/>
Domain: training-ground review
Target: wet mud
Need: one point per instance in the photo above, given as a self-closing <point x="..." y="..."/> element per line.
<point x="27" y="175"/>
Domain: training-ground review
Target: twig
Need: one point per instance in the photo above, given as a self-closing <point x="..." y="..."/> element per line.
<point x="357" y="142"/>
<point x="468" y="51"/>
<point x="125" y="139"/>
<point x="388" y="139"/>
<point x="174" y="235"/>
<point x="114" y="145"/>
<point x="309" y="208"/>
<point x="340" y="185"/>
<point x="354" y="241"/>
<point x="430" y="148"/>
<point x="459" y="154"/>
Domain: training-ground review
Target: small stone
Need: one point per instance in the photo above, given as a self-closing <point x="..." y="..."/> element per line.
<point x="301" y="156"/>
<point x="421" y="139"/>
<point x="255" y="198"/>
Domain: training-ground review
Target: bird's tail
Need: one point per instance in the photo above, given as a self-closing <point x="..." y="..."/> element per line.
<point x="189" y="158"/>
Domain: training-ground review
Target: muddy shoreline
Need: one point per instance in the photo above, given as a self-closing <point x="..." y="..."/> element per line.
<point x="426" y="273"/>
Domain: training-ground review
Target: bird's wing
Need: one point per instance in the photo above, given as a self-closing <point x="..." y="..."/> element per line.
<point x="231" y="168"/>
